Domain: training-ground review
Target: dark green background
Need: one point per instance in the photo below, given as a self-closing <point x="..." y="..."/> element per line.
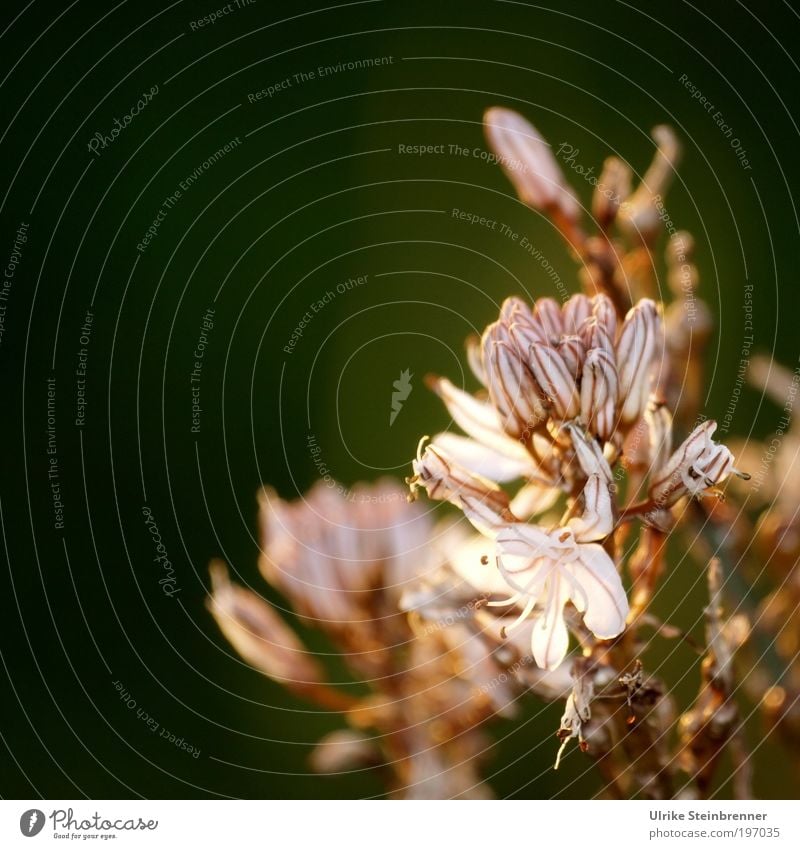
<point x="316" y="194"/>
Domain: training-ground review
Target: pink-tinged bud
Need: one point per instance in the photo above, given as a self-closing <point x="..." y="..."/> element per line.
<point x="524" y="335"/>
<point x="481" y="500"/>
<point x="641" y="215"/>
<point x="515" y="309"/>
<point x="638" y="348"/>
<point x="612" y="191"/>
<point x="511" y="384"/>
<point x="573" y="352"/>
<point x="595" y="335"/>
<point x="696" y="465"/>
<point x="599" y="394"/>
<point x="259" y="634"/>
<point x="576" y="310"/>
<point x="605" y="313"/>
<point x="547" y="314"/>
<point x="529" y="164"/>
<point x="552" y="374"/>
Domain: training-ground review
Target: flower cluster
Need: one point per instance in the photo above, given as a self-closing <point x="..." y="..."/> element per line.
<point x="567" y="448"/>
<point x="391" y="591"/>
<point x="567" y="392"/>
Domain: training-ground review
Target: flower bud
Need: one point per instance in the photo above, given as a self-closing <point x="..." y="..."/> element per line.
<point x="599" y="393"/>
<point x="575" y="311"/>
<point x="611" y="191"/>
<point x="511" y="384"/>
<point x="641" y="214"/>
<point x="529" y="164"/>
<point x="515" y="309"/>
<point x="553" y="375"/>
<point x="595" y="335"/>
<point x="343" y="751"/>
<point x="259" y="634"/>
<point x="605" y="314"/>
<point x="573" y="352"/>
<point x="547" y="314"/>
<point x="637" y="349"/>
<point x="659" y="433"/>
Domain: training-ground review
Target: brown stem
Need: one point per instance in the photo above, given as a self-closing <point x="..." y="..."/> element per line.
<point x="646" y="567"/>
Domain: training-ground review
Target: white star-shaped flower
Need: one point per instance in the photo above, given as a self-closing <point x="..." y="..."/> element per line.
<point x="548" y="568"/>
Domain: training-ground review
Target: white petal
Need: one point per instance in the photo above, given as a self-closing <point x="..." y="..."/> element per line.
<point x="482" y="460"/>
<point x="473" y="346"/>
<point x="550" y="638"/>
<point x="468" y="563"/>
<point x="597" y="520"/>
<point x="532" y="499"/>
<point x="602" y="600"/>
<point x="523" y="540"/>
<point x="478" y="419"/>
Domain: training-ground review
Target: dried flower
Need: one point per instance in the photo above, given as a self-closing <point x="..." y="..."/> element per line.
<point x="640" y="215"/>
<point x="699" y="463"/>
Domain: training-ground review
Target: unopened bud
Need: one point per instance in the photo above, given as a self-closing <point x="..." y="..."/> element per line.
<point x="259" y="634"/>
<point x="641" y="216"/>
<point x="639" y="345"/>
<point x="553" y="375"/>
<point x="529" y="164"/>
<point x="511" y="384"/>
<point x="575" y="311"/>
<point x="599" y="393"/>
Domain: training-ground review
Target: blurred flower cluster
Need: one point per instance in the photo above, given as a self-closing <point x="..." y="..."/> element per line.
<point x="584" y="453"/>
<point x="368" y="569"/>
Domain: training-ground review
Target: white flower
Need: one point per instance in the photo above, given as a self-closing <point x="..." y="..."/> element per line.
<point x="547" y="569"/>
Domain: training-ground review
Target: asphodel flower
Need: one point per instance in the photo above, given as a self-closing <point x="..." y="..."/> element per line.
<point x="546" y="569"/>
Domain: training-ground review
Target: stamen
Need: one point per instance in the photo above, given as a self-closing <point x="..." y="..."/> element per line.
<point x="561" y="752"/>
<point x="520" y="619"/>
<point x="506" y="602"/>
